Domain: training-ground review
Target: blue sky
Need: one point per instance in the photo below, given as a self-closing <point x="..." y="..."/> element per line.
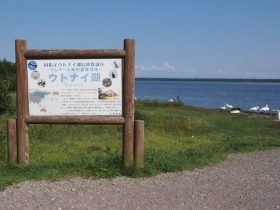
<point x="177" y="39"/>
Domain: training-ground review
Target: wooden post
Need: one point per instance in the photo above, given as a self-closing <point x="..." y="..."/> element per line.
<point x="128" y="100"/>
<point x="12" y="140"/>
<point x="22" y="103"/>
<point x="139" y="143"/>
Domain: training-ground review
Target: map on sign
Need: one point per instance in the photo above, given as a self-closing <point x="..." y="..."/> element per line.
<point x="43" y="102"/>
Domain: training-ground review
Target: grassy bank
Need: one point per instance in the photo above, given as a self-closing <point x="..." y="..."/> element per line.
<point x="177" y="137"/>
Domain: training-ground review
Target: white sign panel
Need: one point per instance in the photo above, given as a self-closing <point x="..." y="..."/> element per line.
<point x="75" y="87"/>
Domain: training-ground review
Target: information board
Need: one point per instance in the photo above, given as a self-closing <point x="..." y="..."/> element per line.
<point x="75" y="87"/>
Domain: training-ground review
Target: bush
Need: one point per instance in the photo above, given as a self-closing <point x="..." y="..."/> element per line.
<point x="5" y="98"/>
<point x="8" y="74"/>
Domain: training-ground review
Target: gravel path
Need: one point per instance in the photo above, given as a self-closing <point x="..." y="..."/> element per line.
<point x="243" y="181"/>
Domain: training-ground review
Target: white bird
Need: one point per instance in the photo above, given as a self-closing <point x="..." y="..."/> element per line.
<point x="229" y="106"/>
<point x="223" y="107"/>
<point x="264" y="109"/>
<point x="171" y="100"/>
<point x="255" y="108"/>
<point x="235" y="111"/>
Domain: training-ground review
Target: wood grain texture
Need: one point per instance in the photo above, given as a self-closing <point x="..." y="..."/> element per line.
<point x="22" y="103"/>
<point x="128" y="93"/>
<point x="12" y="140"/>
<point x="139" y="143"/>
<point x="73" y="54"/>
<point x="99" y="120"/>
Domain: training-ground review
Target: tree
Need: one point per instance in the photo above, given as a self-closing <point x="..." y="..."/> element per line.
<point x="7" y="84"/>
<point x="8" y="74"/>
<point x="5" y="98"/>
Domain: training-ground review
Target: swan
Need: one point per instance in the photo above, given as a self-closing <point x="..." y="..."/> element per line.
<point x="255" y="108"/>
<point x="223" y="107"/>
<point x="235" y="111"/>
<point x="229" y="106"/>
<point x="171" y="100"/>
<point x="264" y="109"/>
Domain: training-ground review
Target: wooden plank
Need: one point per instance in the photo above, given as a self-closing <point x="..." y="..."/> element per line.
<point x="128" y="100"/>
<point x="12" y="140"/>
<point x="139" y="143"/>
<point x="22" y="103"/>
<point x="117" y="120"/>
<point x="73" y="54"/>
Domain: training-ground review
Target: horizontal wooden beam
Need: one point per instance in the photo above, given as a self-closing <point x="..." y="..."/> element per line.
<point x="98" y="120"/>
<point x="73" y="54"/>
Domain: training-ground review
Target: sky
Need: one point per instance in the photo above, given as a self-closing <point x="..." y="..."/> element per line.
<point x="174" y="39"/>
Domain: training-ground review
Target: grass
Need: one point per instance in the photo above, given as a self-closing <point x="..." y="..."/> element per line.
<point x="177" y="138"/>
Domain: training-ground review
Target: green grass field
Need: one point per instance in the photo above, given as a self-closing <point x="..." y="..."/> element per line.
<point x="177" y="138"/>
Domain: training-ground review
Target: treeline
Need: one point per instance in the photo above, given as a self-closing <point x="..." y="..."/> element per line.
<point x="7" y="85"/>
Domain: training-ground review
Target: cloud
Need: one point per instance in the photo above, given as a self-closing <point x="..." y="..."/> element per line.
<point x="191" y="71"/>
<point x="165" y="66"/>
<point x="231" y="71"/>
<point x="226" y="70"/>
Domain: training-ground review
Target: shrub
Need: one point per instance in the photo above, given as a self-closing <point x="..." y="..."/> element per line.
<point x="8" y="74"/>
<point x="5" y="98"/>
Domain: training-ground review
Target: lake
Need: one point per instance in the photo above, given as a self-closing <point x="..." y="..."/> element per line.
<point x="213" y="95"/>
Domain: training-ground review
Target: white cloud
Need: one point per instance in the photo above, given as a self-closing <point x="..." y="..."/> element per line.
<point x="168" y="66"/>
<point x="192" y="71"/>
<point x="232" y="72"/>
<point x="165" y="66"/>
<point x="141" y="67"/>
<point x="226" y="70"/>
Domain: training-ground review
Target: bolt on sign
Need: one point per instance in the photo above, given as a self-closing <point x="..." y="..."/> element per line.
<point x="75" y="87"/>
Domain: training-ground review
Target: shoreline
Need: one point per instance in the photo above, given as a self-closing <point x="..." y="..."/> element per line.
<point x="207" y="80"/>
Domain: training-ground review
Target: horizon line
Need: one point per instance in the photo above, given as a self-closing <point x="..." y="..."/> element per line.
<point x="206" y="79"/>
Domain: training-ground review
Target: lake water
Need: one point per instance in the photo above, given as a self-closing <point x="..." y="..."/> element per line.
<point x="213" y="95"/>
